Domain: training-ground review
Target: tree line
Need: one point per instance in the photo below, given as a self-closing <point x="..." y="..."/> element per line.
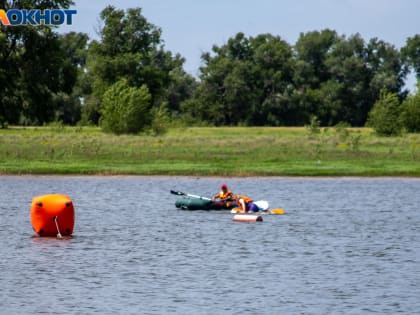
<point x="126" y="81"/>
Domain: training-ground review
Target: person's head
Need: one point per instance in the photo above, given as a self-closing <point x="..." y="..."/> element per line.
<point x="224" y="187"/>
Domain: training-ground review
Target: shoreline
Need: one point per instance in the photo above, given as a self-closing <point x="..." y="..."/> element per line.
<point x="279" y="177"/>
<point x="233" y="152"/>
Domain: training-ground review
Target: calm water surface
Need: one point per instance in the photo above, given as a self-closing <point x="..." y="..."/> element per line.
<point x="345" y="246"/>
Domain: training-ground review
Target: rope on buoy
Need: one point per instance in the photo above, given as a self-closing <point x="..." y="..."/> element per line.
<point x="58" y="229"/>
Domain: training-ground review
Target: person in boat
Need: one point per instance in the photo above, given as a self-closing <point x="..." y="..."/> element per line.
<point x="246" y="204"/>
<point x="224" y="197"/>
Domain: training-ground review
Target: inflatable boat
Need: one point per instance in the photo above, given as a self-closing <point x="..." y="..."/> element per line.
<point x="201" y="203"/>
<point x="194" y="202"/>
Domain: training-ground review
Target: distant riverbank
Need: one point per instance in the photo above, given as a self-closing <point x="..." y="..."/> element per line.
<point x="235" y="151"/>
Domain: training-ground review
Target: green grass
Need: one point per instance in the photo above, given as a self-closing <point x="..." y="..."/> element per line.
<point x="226" y="151"/>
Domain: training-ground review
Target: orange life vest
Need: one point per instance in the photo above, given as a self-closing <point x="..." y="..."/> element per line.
<point x="223" y="195"/>
<point x="245" y="198"/>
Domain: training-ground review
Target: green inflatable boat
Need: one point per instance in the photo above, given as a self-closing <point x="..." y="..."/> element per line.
<point x="194" y="202"/>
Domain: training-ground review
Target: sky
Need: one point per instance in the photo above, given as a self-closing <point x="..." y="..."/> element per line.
<point x="191" y="27"/>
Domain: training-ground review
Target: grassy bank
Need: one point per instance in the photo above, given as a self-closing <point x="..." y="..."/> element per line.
<point x="209" y="151"/>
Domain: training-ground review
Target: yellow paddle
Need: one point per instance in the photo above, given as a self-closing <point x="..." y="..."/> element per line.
<point x="277" y="211"/>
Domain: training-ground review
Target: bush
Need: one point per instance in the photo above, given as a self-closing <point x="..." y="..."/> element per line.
<point x="341" y="130"/>
<point x="314" y="126"/>
<point x="355" y="142"/>
<point x="384" y="116"/>
<point x="410" y="113"/>
<point x="161" y="120"/>
<point x="125" y="109"/>
<point x="3" y="123"/>
<point x="56" y="126"/>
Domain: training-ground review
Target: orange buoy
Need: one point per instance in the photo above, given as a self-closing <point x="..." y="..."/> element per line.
<point x="247" y="218"/>
<point x="52" y="215"/>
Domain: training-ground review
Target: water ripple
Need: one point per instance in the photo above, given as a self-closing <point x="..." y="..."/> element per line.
<point x="345" y="246"/>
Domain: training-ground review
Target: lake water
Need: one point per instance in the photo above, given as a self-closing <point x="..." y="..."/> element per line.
<point x="345" y="246"/>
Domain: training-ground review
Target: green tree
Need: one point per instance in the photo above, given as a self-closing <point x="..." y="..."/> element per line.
<point x="411" y="53"/>
<point x="130" y="48"/>
<point x="339" y="79"/>
<point x="410" y="112"/>
<point x="345" y="96"/>
<point x="388" y="68"/>
<point x="246" y="81"/>
<point x="125" y="109"/>
<point x="33" y="68"/>
<point x="44" y="73"/>
<point x="311" y="74"/>
<point x="384" y="116"/>
<point x="273" y="75"/>
<point x="75" y="47"/>
<point x="10" y="99"/>
<point x="160" y="120"/>
<point x="312" y="49"/>
<point x="224" y="96"/>
<point x="69" y="106"/>
<point x="181" y="87"/>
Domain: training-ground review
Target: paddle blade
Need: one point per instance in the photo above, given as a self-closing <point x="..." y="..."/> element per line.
<point x="278" y="211"/>
<point x="178" y="193"/>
